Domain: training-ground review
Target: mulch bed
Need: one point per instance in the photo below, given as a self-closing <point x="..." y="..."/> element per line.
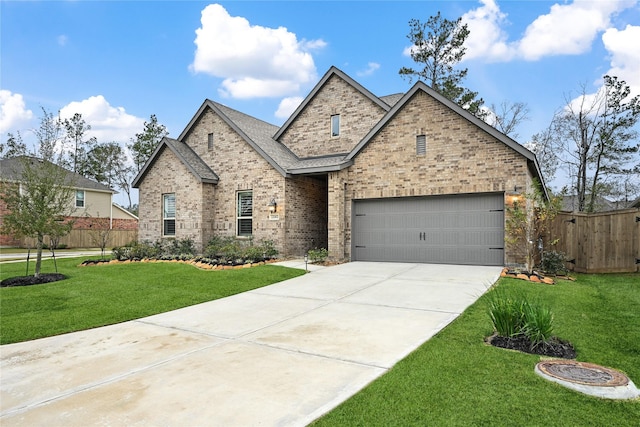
<point x="555" y="347"/>
<point x="32" y="280"/>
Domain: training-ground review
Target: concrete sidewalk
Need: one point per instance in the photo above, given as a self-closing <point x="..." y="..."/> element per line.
<point x="281" y="355"/>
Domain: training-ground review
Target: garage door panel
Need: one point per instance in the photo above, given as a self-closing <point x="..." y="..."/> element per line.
<point x="466" y="229"/>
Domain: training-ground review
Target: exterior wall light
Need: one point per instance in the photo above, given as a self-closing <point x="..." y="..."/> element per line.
<point x="272" y="205"/>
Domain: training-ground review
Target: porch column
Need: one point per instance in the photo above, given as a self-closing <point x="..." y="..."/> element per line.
<point x="336" y="212"/>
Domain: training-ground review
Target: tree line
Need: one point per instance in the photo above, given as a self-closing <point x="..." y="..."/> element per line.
<point x="593" y="139"/>
<point x="65" y="142"/>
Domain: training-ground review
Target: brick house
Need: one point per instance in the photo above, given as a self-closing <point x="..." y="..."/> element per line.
<point x="408" y="177"/>
<point x="91" y="205"/>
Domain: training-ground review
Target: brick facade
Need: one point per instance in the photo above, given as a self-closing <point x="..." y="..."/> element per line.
<point x="306" y="222"/>
<point x="460" y="159"/>
<point x="463" y="156"/>
<point x="310" y="134"/>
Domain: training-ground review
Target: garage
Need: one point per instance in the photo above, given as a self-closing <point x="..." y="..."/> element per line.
<point x="453" y="229"/>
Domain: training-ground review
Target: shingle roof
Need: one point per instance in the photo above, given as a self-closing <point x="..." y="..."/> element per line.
<point x="186" y="155"/>
<point x="391" y="100"/>
<point x="320" y="164"/>
<point x="12" y="169"/>
<point x="263" y="136"/>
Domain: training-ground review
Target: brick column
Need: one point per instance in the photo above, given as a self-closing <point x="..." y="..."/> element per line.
<point x="336" y="225"/>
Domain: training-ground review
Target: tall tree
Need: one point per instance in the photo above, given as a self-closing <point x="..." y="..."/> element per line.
<point x="76" y="128"/>
<point x="103" y="162"/>
<point x="14" y="146"/>
<point x="38" y="203"/>
<point x="507" y="116"/>
<point x="145" y="143"/>
<point x="108" y="164"/>
<point x="594" y="138"/>
<point x="438" y="45"/>
<point x="49" y="136"/>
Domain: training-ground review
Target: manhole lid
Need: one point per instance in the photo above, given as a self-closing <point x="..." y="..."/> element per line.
<point x="588" y="378"/>
<point x="583" y="373"/>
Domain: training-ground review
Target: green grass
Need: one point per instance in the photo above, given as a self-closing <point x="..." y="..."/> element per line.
<point x="103" y="295"/>
<point x="456" y="380"/>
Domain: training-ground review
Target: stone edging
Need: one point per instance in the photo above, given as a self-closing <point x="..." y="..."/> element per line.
<point x="533" y="278"/>
<point x="197" y="264"/>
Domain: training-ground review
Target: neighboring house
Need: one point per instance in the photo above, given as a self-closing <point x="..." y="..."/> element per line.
<point x="91" y="203"/>
<point x="408" y="177"/>
<point x="570" y="204"/>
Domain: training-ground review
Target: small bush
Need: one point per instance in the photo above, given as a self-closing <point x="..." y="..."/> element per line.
<point x="552" y="262"/>
<point x="538" y="325"/>
<point x="253" y="254"/>
<point x="269" y="248"/>
<point x="513" y="316"/>
<point x="182" y="246"/>
<point x="507" y="314"/>
<point x="318" y="255"/>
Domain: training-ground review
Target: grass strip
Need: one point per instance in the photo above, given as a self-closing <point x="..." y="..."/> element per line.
<point x="455" y="379"/>
<point x="107" y="294"/>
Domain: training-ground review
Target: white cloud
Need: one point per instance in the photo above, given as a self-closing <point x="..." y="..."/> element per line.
<point x="371" y="68"/>
<point x="107" y="123"/>
<point x="62" y="40"/>
<point x="625" y="56"/>
<point x="486" y="38"/>
<point x="254" y="61"/>
<point x="13" y="111"/>
<point x="568" y="29"/>
<point x="288" y="106"/>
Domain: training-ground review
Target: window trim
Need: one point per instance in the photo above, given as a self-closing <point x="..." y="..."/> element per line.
<point x="82" y="199"/>
<point x="166" y="219"/>
<point x="335" y="123"/>
<point x="210" y="142"/>
<point x="243" y="218"/>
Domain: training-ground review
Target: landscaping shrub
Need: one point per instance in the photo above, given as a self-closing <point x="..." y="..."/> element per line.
<point x="538" y="324"/>
<point x="318" y="255"/>
<point x="507" y="314"/>
<point x="552" y="262"/>
<point x="182" y="247"/>
<point x="219" y="250"/>
<point x="514" y="316"/>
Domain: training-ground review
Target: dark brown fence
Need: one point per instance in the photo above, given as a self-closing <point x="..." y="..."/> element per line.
<point x="84" y="239"/>
<point x="604" y="242"/>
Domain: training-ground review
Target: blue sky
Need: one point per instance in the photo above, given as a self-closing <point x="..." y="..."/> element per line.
<point x="118" y="62"/>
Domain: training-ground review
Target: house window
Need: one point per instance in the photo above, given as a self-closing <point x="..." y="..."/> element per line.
<point x="169" y="214"/>
<point x="421" y="145"/>
<point x="335" y="125"/>
<point x="210" y="142"/>
<point x="245" y="213"/>
<point x="79" y="198"/>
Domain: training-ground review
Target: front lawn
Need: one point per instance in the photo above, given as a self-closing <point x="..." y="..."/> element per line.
<point x="455" y="379"/>
<point x="103" y="295"/>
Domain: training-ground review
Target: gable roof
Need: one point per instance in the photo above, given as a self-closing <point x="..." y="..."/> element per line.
<point x="11" y="169"/>
<point x="186" y="155"/>
<point x="421" y="86"/>
<point x="333" y="71"/>
<point x="263" y="136"/>
<point x="257" y="133"/>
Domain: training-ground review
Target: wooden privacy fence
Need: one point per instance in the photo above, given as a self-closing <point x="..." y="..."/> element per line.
<point x="84" y="239"/>
<point x="602" y="242"/>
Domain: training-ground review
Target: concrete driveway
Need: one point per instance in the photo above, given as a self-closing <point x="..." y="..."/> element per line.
<point x="281" y="355"/>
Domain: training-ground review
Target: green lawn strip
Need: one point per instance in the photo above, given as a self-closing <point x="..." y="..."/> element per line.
<point x="455" y="379"/>
<point x="107" y="294"/>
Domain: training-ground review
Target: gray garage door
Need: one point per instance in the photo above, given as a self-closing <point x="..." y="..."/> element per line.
<point x="461" y="229"/>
